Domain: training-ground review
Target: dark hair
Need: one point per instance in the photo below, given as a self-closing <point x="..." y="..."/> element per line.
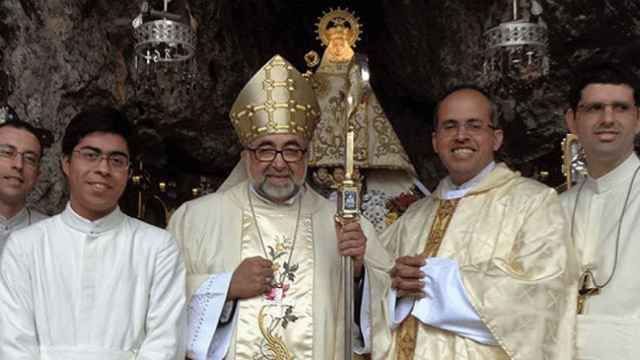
<point x="96" y="119"/>
<point x="9" y="118"/>
<point x="602" y="73"/>
<point x="493" y="107"/>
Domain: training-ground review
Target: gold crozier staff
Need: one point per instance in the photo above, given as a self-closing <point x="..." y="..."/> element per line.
<point x="348" y="189"/>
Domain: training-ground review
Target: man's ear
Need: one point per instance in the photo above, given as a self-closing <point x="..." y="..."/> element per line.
<point x="637" y="131"/>
<point x="498" y="135"/>
<point x="65" y="163"/>
<point x="570" y="120"/>
<point x="434" y="142"/>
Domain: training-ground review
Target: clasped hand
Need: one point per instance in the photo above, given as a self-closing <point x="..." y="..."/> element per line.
<point x="406" y="276"/>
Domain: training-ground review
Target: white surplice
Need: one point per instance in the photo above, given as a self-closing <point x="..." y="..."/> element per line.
<point x="22" y="219"/>
<point x="610" y="325"/>
<point x="73" y="289"/>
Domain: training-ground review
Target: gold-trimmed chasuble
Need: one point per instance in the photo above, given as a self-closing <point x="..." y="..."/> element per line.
<point x="279" y="324"/>
<point x="408" y="330"/>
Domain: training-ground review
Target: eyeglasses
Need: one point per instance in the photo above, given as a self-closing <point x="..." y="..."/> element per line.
<point x="117" y="160"/>
<point x="598" y="108"/>
<point x="472" y="127"/>
<point x="269" y="154"/>
<point x="29" y="158"/>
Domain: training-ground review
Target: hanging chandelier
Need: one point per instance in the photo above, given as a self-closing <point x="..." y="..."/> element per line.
<point x="165" y="48"/>
<point x="516" y="51"/>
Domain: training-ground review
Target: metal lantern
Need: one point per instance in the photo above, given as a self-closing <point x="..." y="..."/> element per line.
<point x="165" y="48"/>
<point x="516" y="51"/>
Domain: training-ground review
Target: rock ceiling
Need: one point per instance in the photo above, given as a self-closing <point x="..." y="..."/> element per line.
<point x="57" y="56"/>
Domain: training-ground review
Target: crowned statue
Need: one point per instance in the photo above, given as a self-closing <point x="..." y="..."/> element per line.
<point x="384" y="169"/>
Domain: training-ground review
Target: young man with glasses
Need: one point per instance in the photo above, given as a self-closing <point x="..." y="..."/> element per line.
<point x="604" y="211"/>
<point x="91" y="282"/>
<point x="483" y="268"/>
<point x="263" y="257"/>
<point x="20" y="153"/>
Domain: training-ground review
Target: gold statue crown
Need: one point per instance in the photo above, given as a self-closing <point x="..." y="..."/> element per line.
<point x="333" y="23"/>
<point x="277" y="100"/>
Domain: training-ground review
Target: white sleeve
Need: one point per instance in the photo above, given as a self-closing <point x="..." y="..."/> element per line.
<point x="208" y="340"/>
<point x="401" y="308"/>
<point x="446" y="305"/>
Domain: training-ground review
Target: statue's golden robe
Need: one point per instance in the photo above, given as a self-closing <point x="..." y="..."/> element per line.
<point x="378" y="153"/>
<point x="510" y="238"/>
<point x="376" y="144"/>
<point x="216" y="232"/>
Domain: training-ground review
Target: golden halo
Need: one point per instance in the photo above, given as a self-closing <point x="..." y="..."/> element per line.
<point x="338" y="17"/>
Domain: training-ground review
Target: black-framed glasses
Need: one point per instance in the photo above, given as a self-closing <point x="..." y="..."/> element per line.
<point x="117" y="160"/>
<point x="265" y="154"/>
<point x="29" y="158"/>
<point x="473" y="127"/>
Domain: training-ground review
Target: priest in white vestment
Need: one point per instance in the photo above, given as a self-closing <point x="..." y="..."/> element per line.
<point x="484" y="268"/>
<point x="263" y="256"/>
<point x="604" y="211"/>
<point x="21" y="148"/>
<point x="92" y="283"/>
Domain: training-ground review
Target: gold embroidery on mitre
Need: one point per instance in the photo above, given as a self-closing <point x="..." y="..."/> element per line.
<point x="277" y="100"/>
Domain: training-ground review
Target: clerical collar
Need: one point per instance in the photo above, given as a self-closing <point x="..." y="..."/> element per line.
<point x="22" y="216"/>
<point x="97" y="227"/>
<point x="456" y="192"/>
<point x="614" y="178"/>
<point x="288" y="202"/>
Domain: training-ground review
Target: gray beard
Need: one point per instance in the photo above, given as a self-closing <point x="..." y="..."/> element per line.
<point x="278" y="193"/>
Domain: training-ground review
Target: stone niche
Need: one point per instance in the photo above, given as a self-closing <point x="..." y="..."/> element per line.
<point x="58" y="56"/>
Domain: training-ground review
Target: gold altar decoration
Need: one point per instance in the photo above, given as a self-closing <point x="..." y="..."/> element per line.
<point x="277" y="100"/>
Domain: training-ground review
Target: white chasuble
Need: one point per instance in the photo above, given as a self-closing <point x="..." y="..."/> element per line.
<point x="509" y="237"/>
